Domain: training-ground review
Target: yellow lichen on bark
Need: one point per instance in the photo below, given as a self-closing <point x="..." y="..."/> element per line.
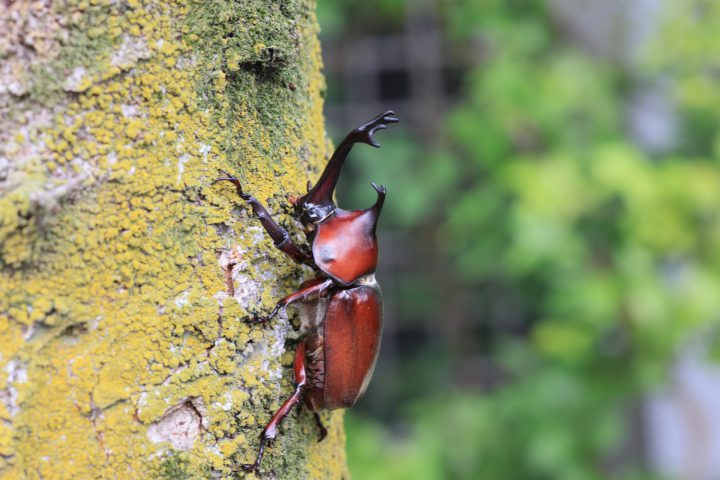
<point x="122" y="353"/>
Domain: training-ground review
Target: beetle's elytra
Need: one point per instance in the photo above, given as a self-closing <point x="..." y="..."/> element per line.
<point x="341" y="308"/>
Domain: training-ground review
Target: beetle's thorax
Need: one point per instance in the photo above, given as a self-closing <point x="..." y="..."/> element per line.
<point x="345" y="246"/>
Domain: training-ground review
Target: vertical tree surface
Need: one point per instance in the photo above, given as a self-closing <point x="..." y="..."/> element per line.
<point x="125" y="352"/>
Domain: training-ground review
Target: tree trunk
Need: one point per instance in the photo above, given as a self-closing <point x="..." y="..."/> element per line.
<point x="124" y="349"/>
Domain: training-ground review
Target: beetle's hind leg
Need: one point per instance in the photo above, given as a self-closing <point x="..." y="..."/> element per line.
<point x="271" y="429"/>
<point x="321" y="427"/>
<point x="279" y="235"/>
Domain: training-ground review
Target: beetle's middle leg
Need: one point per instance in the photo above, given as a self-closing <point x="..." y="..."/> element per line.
<point x="279" y="235"/>
<point x="312" y="287"/>
<point x="271" y="429"/>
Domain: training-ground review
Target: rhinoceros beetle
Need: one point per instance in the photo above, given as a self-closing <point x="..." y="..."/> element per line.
<point x="341" y="308"/>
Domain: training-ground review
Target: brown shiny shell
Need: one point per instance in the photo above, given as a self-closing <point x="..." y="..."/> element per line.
<point x="345" y="246"/>
<point x="351" y="342"/>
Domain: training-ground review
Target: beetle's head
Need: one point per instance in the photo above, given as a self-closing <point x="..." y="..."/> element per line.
<point x="316" y="206"/>
<point x="311" y="213"/>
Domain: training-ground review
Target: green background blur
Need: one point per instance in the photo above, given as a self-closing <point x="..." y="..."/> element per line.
<point x="551" y="238"/>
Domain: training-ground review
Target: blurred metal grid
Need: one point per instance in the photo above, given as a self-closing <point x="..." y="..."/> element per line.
<point x="408" y="71"/>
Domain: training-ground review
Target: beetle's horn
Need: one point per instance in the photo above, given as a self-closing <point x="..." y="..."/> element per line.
<point x="377" y="208"/>
<point x="322" y="192"/>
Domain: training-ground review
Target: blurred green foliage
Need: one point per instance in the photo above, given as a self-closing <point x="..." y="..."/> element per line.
<point x="336" y="16"/>
<point x="611" y="255"/>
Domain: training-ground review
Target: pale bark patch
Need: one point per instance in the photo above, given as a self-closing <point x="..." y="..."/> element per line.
<point x="181" y="425"/>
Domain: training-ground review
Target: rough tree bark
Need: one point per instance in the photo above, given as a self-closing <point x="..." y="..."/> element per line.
<point x="124" y="351"/>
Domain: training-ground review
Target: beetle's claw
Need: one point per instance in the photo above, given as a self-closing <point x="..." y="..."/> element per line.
<point x="258" y="319"/>
<point x="323" y="434"/>
<point x="248" y="467"/>
<point x="228" y="177"/>
<point x="321" y="427"/>
<point x="234" y="181"/>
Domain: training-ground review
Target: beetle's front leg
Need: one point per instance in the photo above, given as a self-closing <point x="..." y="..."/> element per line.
<point x="316" y="286"/>
<point x="279" y="235"/>
<point x="271" y="429"/>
